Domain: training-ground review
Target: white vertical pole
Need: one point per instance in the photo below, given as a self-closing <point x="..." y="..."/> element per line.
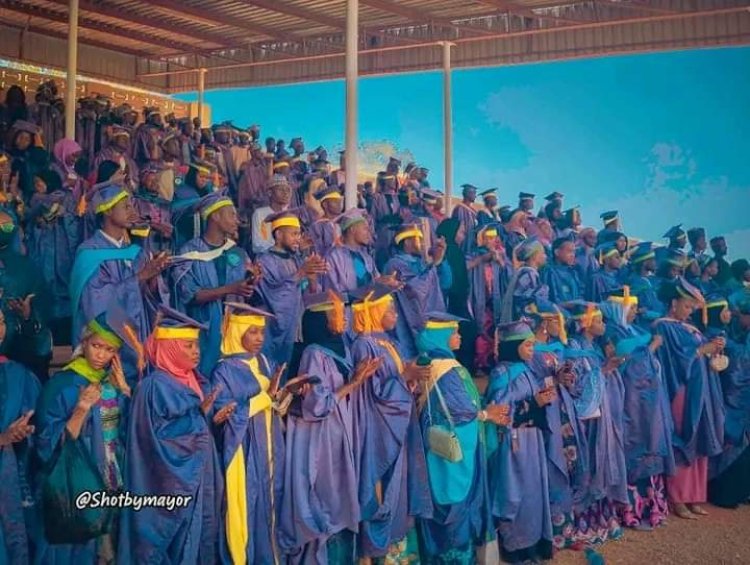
<point x="447" y="126"/>
<point x="70" y="93"/>
<point x="201" y="94"/>
<point x="352" y="48"/>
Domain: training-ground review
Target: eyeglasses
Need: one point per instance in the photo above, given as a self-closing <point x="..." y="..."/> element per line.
<point x="7" y="227"/>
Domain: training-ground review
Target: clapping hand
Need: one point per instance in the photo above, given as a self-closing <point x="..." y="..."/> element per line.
<point x="223" y="414"/>
<point x="498" y="414"/>
<point x="208" y="402"/>
<point x="18" y="430"/>
<point x="21" y="306"/>
<point x="366" y="369"/>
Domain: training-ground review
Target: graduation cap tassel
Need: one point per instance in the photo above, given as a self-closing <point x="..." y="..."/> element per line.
<point x="132" y="339"/>
<point x="81" y="208"/>
<point x="339" y="319"/>
<point x="563" y="332"/>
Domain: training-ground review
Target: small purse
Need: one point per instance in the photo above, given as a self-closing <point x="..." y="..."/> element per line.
<point x="719" y="362"/>
<point x="443" y="441"/>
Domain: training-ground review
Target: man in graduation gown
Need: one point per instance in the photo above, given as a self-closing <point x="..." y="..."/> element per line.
<point x="286" y="275"/>
<point x="185" y="217"/>
<point x="488" y="214"/>
<point x="525" y="286"/>
<point x="227" y="169"/>
<point x="677" y="241"/>
<point x="466" y="215"/>
<point x="611" y="220"/>
<point x="561" y="276"/>
<point x="719" y="247"/>
<point x="210" y="269"/>
<point x="514" y="230"/>
<point x="698" y="244"/>
<point x="424" y="279"/>
<point x="146" y="141"/>
<point x="281" y="197"/>
<point x="386" y="212"/>
<point x="109" y="270"/>
<point x="526" y="202"/>
<point x="118" y="151"/>
<point x="325" y="232"/>
<point x="606" y="279"/>
<point x="252" y="192"/>
<point x="640" y="281"/>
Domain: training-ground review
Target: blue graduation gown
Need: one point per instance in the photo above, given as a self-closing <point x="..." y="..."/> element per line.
<point x="281" y="292"/>
<point x="191" y="276"/>
<point x="482" y="298"/>
<point x="525" y="287"/>
<point x="170" y="450"/>
<point x="467" y="217"/>
<point x="685" y="371"/>
<point x="563" y="282"/>
<point x="55" y="407"/>
<point x="389" y="452"/>
<point x="649" y="306"/>
<point x="320" y="480"/>
<point x="517" y="464"/>
<point x="250" y="443"/>
<point x="601" y="283"/>
<point x="19" y="390"/>
<point x="422" y="293"/>
<point x="105" y="275"/>
<point x="461" y="516"/>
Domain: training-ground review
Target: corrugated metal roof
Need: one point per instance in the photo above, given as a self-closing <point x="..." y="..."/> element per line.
<point x="245" y="42"/>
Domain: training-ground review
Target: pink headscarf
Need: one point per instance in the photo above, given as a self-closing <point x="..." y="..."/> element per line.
<point x="170" y="356"/>
<point x="64" y="149"/>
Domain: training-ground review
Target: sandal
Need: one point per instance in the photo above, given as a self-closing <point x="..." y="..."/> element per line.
<point x="681" y="511"/>
<point x="697" y="509"/>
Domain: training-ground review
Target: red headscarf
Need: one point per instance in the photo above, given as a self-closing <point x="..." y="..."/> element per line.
<point x="171" y="356"/>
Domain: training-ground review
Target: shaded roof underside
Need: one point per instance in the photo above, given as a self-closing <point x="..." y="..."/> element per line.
<point x="253" y="42"/>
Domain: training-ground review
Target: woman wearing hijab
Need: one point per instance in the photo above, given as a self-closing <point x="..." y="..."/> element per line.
<point x="525" y="286"/>
<point x="170" y="450"/>
<point x="390" y="460"/>
<point x="320" y="513"/>
<point x="52" y="237"/>
<point x="728" y="485"/>
<point x="647" y="417"/>
<point x="598" y="396"/>
<point x="185" y="217"/>
<point x="28" y="157"/>
<point x="153" y="211"/>
<point x="694" y="393"/>
<point x="461" y="519"/>
<point x="66" y="153"/>
<point x="517" y="464"/>
<point x="251" y="440"/>
<point x="87" y="402"/>
<point x="564" y="439"/>
<point x="457" y="295"/>
<point x="19" y="389"/>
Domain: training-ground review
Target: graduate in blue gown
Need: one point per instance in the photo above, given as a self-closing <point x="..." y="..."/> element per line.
<point x="695" y="396"/>
<point x="599" y="398"/>
<point x="642" y="286"/>
<point x="586" y="261"/>
<point x="110" y="271"/>
<point x="517" y="464"/>
<point x="423" y="283"/>
<point x="287" y="274"/>
<point x="386" y="212"/>
<point x="564" y="439"/>
<point x="19" y="390"/>
<point x="728" y="486"/>
<point x="320" y="512"/>
<point x="210" y="269"/>
<point x="390" y="461"/>
<point x="188" y="193"/>
<point x="677" y="237"/>
<point x="525" y="286"/>
<point x="170" y="450"/>
<point x="466" y="215"/>
<point x="325" y="232"/>
<point x="515" y="227"/>
<point x="560" y="275"/>
<point x="606" y="279"/>
<point x="87" y="402"/>
<point x="461" y="519"/>
<point x="647" y="418"/>
<point x="251" y="444"/>
<point x="350" y="265"/>
<point x="52" y="236"/>
<point x="488" y="214"/>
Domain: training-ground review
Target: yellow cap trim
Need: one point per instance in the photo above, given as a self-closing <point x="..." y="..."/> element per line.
<point x="717" y="303"/>
<point x="286" y="222"/>
<point x="176" y="333"/>
<point x="332" y="195"/>
<point x="248" y="320"/>
<point x="441" y="325"/>
<point x="490" y="233"/>
<point x="202" y="170"/>
<point x="415" y="232"/>
<point x="105" y="206"/>
<point x="140" y="232"/>
<point x="360" y="306"/>
<point x="215" y="206"/>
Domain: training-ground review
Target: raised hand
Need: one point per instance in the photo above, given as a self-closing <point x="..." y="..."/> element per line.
<point x="498" y="414"/>
<point x="154" y="267"/>
<point x="224" y="413"/>
<point x="276" y="379"/>
<point x="18" y="430"/>
<point x="21" y="306"/>
<point x="88" y="396"/>
<point x="545" y="396"/>
<point x="366" y="369"/>
<point x="208" y="402"/>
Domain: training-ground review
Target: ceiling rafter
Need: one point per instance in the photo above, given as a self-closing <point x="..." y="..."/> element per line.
<point x="420" y="17"/>
<point x="636" y="6"/>
<point x="518" y="10"/>
<point x="93" y="25"/>
<point x="158" y="24"/>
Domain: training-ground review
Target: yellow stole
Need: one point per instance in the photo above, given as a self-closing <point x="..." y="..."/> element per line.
<point x="238" y="534"/>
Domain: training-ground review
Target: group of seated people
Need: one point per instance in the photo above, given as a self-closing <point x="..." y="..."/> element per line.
<point x="385" y="384"/>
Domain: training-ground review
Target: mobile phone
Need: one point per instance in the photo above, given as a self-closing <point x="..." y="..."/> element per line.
<point x="549" y="382"/>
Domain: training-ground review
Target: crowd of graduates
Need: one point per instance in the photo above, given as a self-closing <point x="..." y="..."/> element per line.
<point x="385" y="384"/>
